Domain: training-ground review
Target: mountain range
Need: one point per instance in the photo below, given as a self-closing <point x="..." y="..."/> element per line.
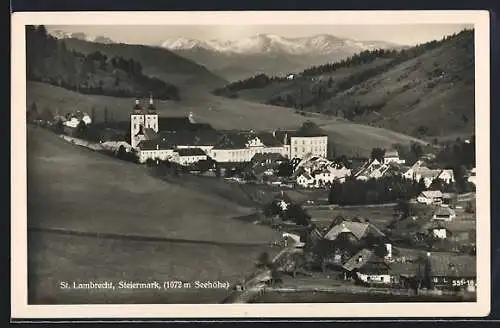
<point x="58" y="34"/>
<point x="322" y="44"/>
<point x="269" y="53"/>
<point x="426" y="90"/>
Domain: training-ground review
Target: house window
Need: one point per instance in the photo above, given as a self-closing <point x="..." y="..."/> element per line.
<point x="381" y="278"/>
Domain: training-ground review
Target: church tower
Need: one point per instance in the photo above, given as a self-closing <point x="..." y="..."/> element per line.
<point x="137" y="124"/>
<point x="151" y="117"/>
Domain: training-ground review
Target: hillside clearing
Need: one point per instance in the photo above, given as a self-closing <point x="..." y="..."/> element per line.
<point x="71" y="188"/>
<point x="223" y="113"/>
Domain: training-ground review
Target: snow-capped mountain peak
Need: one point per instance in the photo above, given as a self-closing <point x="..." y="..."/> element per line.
<point x="81" y="36"/>
<point x="275" y="44"/>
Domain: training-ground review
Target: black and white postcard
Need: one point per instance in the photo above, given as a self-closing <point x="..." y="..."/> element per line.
<point x="250" y="164"/>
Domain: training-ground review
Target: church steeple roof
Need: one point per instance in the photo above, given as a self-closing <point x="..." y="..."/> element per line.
<point x="137" y="106"/>
<point x="151" y="106"/>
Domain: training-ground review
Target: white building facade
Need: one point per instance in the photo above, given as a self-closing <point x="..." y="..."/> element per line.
<point x="302" y="146"/>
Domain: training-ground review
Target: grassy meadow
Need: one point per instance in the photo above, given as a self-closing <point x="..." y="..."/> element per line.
<point x="71" y="188"/>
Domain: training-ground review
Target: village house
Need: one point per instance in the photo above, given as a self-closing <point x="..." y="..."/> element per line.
<point x="392" y="156"/>
<point x="444" y="214"/>
<point x="368" y="268"/>
<point x="437" y="229"/>
<point x="418" y="172"/>
<point x="356" y="232"/>
<point x="471" y="177"/>
<point x="405" y="274"/>
<point x="305" y="180"/>
<point x="452" y="272"/>
<point x="430" y="197"/>
<point x="186" y="156"/>
<point x="372" y="170"/>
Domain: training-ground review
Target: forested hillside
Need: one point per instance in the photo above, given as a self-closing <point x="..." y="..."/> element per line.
<point x="50" y="61"/>
<point x="403" y="90"/>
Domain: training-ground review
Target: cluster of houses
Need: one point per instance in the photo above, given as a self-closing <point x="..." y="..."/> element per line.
<point x="204" y="142"/>
<point x="316" y="172"/>
<point x="352" y="249"/>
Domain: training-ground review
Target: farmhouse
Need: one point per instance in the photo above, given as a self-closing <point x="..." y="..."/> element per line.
<point x="372" y="170"/>
<point x="393" y="157"/>
<point x="368" y="268"/>
<point x="440" y="232"/>
<point x="444" y="214"/>
<point x="472" y="176"/>
<point x="359" y="230"/>
<point x="430" y="197"/>
<point x="437" y="229"/>
<point x="451" y="271"/>
<point x="306" y="180"/>
<point x="418" y="172"/>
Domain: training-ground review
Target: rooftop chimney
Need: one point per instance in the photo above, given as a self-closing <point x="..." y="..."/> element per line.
<point x="360" y="258"/>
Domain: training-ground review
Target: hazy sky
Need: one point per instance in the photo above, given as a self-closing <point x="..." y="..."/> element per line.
<point x="155" y="35"/>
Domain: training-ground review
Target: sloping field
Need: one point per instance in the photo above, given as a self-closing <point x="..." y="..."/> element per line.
<point x="223" y="113"/>
<point x="74" y="189"/>
<point x="79" y="189"/>
<point x="54" y="258"/>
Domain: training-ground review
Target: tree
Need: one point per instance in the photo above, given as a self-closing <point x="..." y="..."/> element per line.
<point x="46" y="115"/>
<point x="32" y="113"/>
<point x="436" y="184"/>
<point x="285" y="169"/>
<point x="92" y="114"/>
<point x="403" y="208"/>
<point x="81" y="129"/>
<point x="416" y="150"/>
<point x="469" y="208"/>
<point x="378" y="154"/>
<point x="264" y="260"/>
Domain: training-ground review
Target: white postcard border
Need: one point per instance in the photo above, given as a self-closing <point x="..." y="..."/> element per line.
<point x="21" y="310"/>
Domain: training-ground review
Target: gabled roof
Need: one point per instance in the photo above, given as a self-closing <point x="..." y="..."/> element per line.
<point x="358" y="229"/>
<point x="190" y="152"/>
<point x="452" y="265"/>
<point x="154" y="144"/>
<point x="432" y="225"/>
<point x="444" y="211"/>
<point x="150" y="133"/>
<point x="307" y="176"/>
<point x="365" y="261"/>
<point x="407" y="269"/>
<point x="432" y="194"/>
<point x="391" y="153"/>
